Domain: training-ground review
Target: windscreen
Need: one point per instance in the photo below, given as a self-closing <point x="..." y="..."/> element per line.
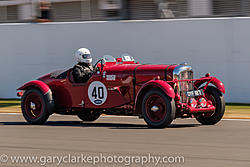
<point x="109" y="58"/>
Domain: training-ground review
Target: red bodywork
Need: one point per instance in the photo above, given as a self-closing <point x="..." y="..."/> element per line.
<point x="126" y="84"/>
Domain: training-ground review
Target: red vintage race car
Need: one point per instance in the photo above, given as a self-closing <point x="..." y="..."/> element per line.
<point x="121" y="86"/>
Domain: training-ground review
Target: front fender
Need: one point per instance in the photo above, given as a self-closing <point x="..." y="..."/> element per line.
<point x="163" y="85"/>
<point x="215" y="81"/>
<point x="38" y="84"/>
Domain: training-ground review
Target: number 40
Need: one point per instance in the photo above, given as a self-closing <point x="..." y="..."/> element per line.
<point x="98" y="92"/>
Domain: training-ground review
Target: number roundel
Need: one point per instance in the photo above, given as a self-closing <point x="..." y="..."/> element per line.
<point x="97" y="93"/>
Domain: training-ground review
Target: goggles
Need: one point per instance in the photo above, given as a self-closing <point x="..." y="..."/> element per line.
<point x="86" y="56"/>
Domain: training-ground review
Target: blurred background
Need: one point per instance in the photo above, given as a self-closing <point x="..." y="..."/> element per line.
<point x="86" y="10"/>
<point x="40" y="36"/>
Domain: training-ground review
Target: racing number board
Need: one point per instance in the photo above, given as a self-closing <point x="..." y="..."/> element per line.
<point x="97" y="93"/>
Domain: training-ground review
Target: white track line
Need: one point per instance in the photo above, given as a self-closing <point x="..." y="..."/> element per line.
<point x="10" y="113"/>
<point x="247" y="120"/>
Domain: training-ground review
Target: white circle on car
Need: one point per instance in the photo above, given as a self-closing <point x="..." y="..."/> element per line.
<point x="97" y="93"/>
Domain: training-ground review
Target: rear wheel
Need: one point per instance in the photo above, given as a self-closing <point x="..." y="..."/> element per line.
<point x="216" y="97"/>
<point x="89" y="115"/>
<point x="35" y="107"/>
<point x="158" y="109"/>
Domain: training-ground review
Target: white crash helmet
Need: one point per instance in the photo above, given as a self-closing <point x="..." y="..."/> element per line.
<point x="83" y="56"/>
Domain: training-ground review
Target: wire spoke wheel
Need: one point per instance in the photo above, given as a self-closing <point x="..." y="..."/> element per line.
<point x="158" y="109"/>
<point x="211" y="98"/>
<point x="217" y="99"/>
<point x="35" y="106"/>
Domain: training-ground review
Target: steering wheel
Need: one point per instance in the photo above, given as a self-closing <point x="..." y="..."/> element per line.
<point x="95" y="66"/>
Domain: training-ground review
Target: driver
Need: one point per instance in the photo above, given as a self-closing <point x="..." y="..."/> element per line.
<point x="83" y="69"/>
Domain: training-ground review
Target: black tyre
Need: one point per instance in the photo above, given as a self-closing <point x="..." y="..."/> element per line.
<point x="89" y="116"/>
<point x="218" y="101"/>
<point x="158" y="109"/>
<point x="35" y="107"/>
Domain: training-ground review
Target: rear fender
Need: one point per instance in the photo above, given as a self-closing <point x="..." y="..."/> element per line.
<point x="38" y="84"/>
<point x="44" y="88"/>
<point x="216" y="82"/>
<point x="163" y="85"/>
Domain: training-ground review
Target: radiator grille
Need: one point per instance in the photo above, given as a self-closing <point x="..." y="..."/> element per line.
<point x="183" y="73"/>
<point x="185" y="86"/>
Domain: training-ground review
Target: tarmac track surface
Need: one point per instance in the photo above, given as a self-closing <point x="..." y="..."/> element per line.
<point x="225" y="144"/>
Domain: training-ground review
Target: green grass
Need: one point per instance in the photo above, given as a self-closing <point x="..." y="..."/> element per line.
<point x="9" y="102"/>
<point x="238" y="106"/>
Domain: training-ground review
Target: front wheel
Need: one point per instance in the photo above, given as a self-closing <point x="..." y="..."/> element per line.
<point x="218" y="101"/>
<point x="158" y="109"/>
<point x="35" y="107"/>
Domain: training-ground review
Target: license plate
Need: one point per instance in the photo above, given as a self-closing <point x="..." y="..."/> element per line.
<point x="194" y="93"/>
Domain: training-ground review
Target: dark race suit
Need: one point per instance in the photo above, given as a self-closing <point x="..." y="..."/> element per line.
<point x="82" y="72"/>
